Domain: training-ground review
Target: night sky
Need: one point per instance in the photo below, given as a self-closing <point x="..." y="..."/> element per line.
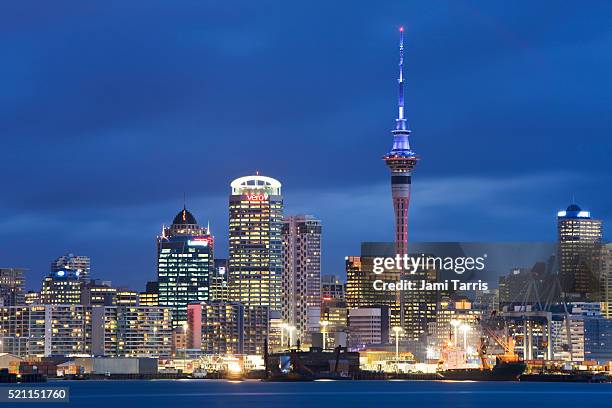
<point x="110" y="111"/>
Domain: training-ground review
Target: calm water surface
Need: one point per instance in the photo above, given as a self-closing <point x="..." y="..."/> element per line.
<point x="336" y="394"/>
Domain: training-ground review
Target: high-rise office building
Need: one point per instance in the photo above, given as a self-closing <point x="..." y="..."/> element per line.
<point x="401" y="160"/>
<point x="62" y="287"/>
<point x="580" y="243"/>
<point x="218" y="281"/>
<point x="12" y="287"/>
<point x="255" y="244"/>
<point x="185" y="261"/>
<point x="79" y="265"/>
<point x="301" y="297"/>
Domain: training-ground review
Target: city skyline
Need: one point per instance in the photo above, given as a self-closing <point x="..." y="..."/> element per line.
<point x="111" y="209"/>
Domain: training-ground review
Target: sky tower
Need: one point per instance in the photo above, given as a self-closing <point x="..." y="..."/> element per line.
<point x="401" y="160"/>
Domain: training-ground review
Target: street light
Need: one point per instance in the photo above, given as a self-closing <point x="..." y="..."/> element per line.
<point x="290" y="329"/>
<point x="455" y="324"/>
<point x="464" y="328"/>
<point x="397" y="331"/>
<point x="324" y="324"/>
<point x="283" y="327"/>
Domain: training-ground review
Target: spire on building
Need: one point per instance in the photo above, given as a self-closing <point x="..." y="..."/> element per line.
<point x="401" y="143"/>
<point x="400" y="122"/>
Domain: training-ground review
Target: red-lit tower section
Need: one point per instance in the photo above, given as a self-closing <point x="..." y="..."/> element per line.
<point x="401" y="160"/>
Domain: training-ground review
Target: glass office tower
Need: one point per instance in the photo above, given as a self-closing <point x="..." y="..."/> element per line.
<point x="185" y="261"/>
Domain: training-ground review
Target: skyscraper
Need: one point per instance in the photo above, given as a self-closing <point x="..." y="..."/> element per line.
<point x="255" y="244"/>
<point x="184" y="263"/>
<point x="79" y="264"/>
<point x="580" y="250"/>
<point x="302" y="274"/>
<point x="12" y="287"/>
<point x="401" y="160"/>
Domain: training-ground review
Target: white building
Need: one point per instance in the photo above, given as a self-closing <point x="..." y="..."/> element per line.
<point x="301" y="297"/>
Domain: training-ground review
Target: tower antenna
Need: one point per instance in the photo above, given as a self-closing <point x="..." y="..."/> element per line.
<point x="401" y="119"/>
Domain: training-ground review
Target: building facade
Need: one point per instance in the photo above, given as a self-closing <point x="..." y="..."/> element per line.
<point x="606" y="281"/>
<point x="12" y="286"/>
<point x="580" y="243"/>
<point x="368" y="325"/>
<point x="218" y="327"/>
<point x="255" y="243"/>
<point x="131" y="331"/>
<point x="46" y="330"/>
<point x="218" y="281"/>
<point x="98" y="293"/>
<point x="62" y="287"/>
<point x="452" y="315"/>
<point x="301" y="296"/>
<point x="150" y="297"/>
<point x="360" y="291"/>
<point x="332" y="288"/>
<point x="76" y="330"/>
<point x="185" y="261"/>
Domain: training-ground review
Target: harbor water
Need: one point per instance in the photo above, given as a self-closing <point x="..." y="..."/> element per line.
<point x="333" y="394"/>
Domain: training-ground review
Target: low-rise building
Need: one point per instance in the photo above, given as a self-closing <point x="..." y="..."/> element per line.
<point x="219" y="327"/>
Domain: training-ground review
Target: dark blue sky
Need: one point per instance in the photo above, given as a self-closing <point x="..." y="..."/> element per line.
<point x="110" y="110"/>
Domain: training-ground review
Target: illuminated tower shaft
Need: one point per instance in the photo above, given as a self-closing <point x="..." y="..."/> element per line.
<point x="401" y="160"/>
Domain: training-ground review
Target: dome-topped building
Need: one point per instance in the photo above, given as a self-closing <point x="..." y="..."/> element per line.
<point x="574" y="211"/>
<point x="185" y="261"/>
<point x="184" y="217"/>
<point x="184" y="223"/>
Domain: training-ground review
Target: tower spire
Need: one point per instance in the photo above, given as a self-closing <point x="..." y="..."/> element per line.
<point x="401" y="119"/>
